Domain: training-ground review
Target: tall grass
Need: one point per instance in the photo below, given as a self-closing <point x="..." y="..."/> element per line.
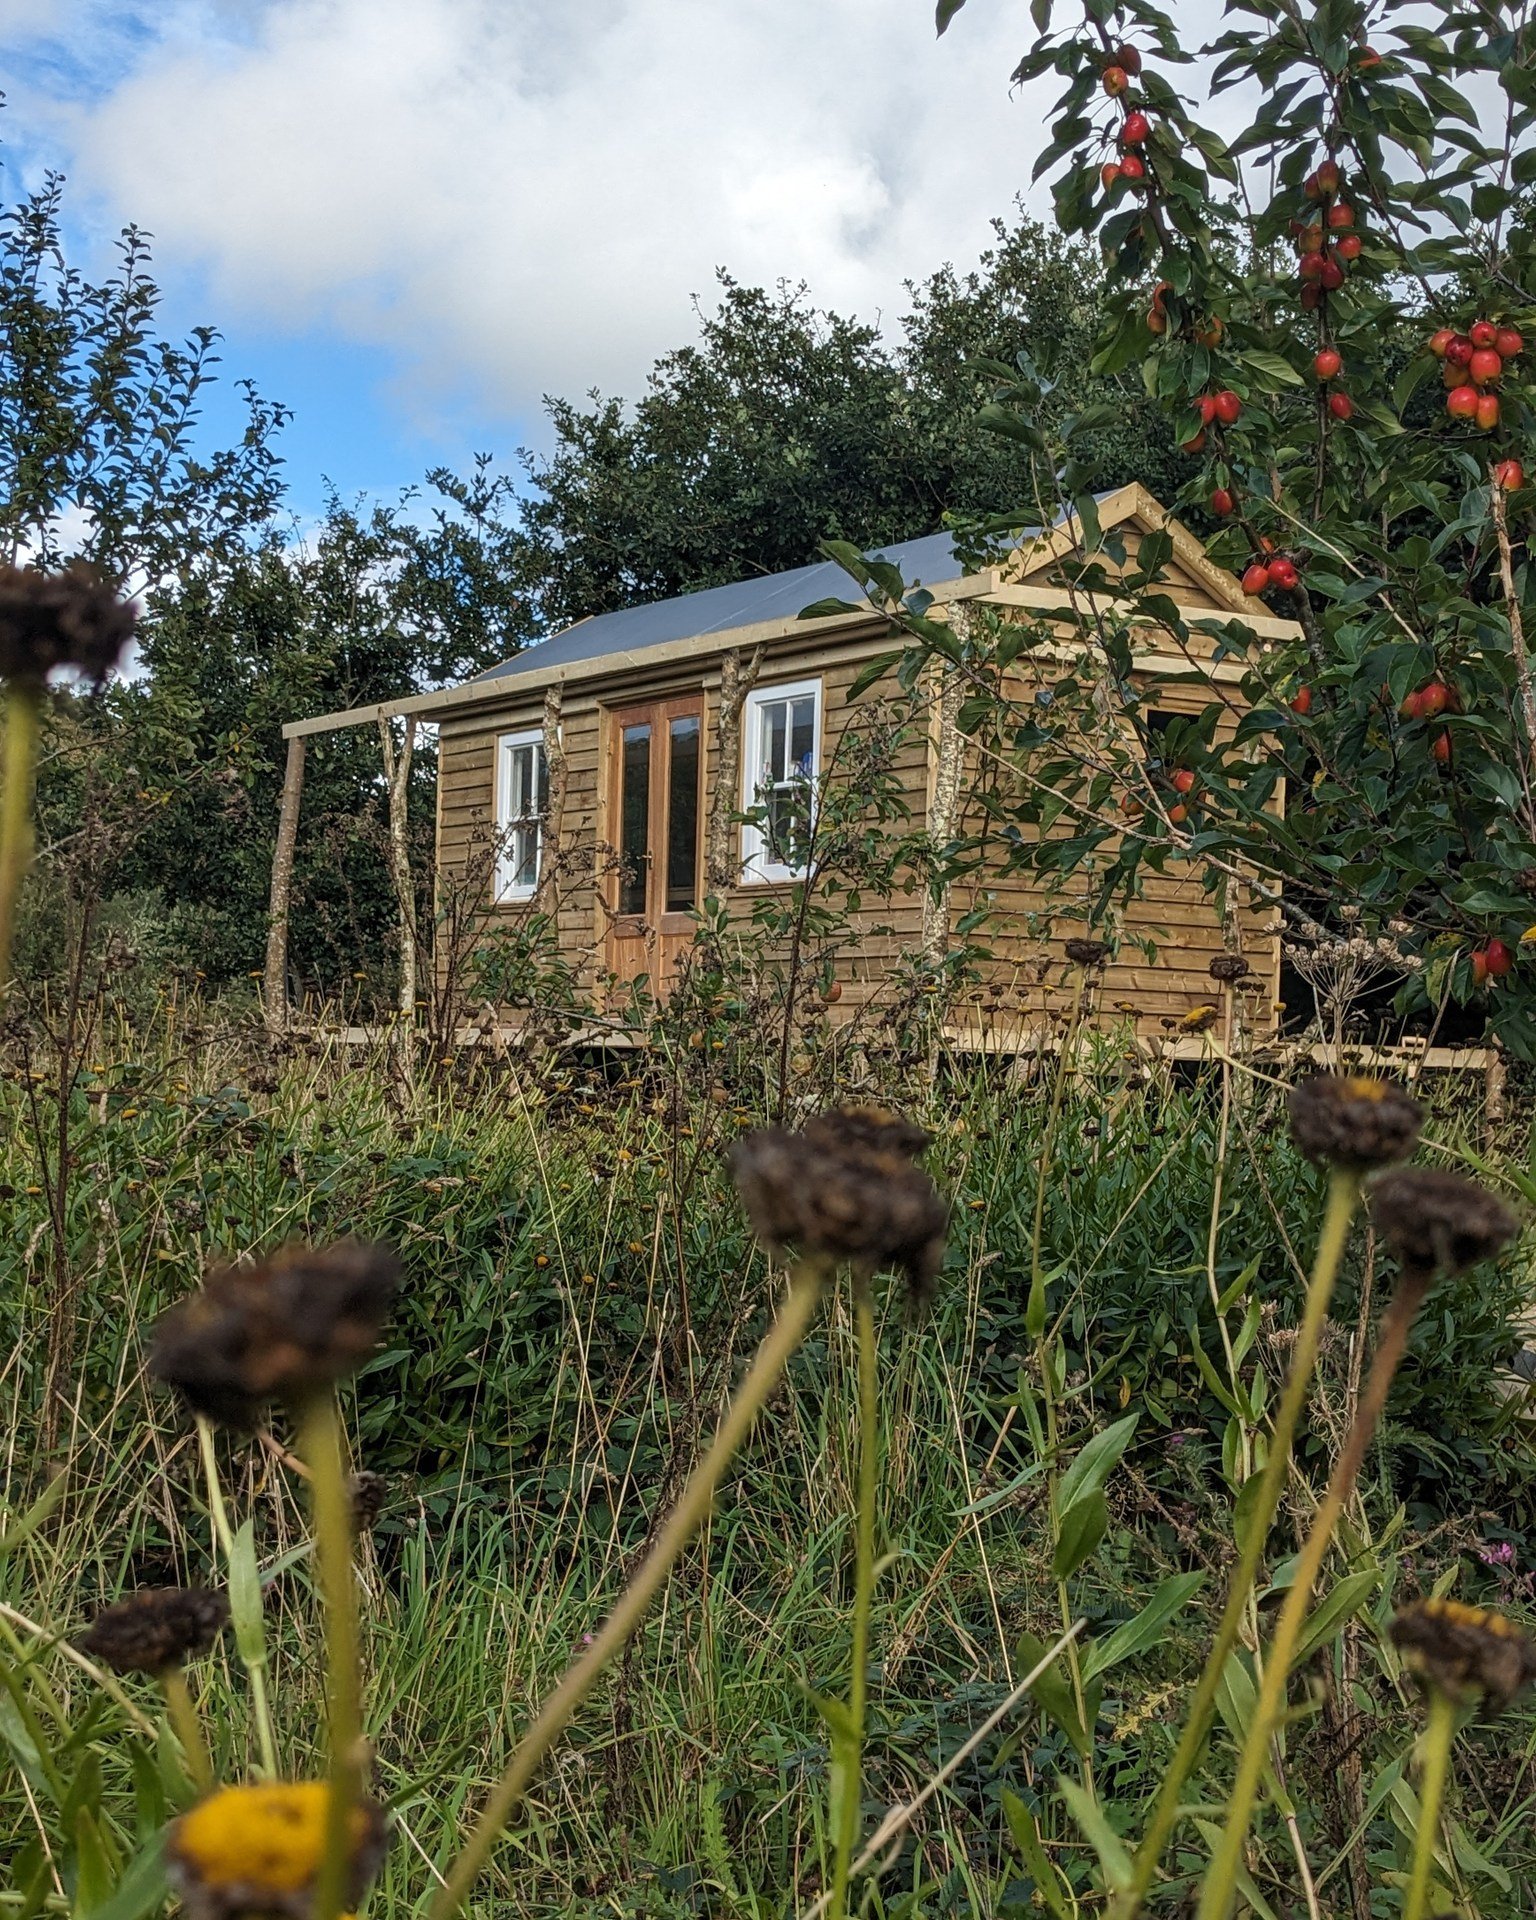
<point x="581" y="1293"/>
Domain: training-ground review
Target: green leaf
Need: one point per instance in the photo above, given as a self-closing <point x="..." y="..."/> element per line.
<point x="945" y="12"/>
<point x="35" y="1515"/>
<point x="1137" y="1634"/>
<point x="1272" y="368"/>
<point x="1212" y="1835"/>
<point x="1342" y="1604"/>
<point x="1025" y="1829"/>
<point x="823" y="609"/>
<point x="1082" y="1527"/>
<point x="245" y="1598"/>
<point x="93" y="1871"/>
<point x="1107" y="1844"/>
<point x="1052" y="1693"/>
<point x="1095" y="1462"/>
<point x="142" y="1889"/>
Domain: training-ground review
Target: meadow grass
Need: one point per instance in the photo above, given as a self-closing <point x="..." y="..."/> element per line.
<point x="581" y="1291"/>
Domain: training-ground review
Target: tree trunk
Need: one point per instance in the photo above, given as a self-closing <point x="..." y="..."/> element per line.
<point x="547" y="893"/>
<point x="736" y="682"/>
<point x="275" y="978"/>
<point x="944" y="804"/>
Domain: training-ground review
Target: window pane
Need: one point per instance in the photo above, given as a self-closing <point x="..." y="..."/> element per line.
<point x="634" y="817"/>
<point x="775" y="719"/>
<point x="525" y="856"/>
<point x="802" y="743"/>
<point x="683" y="815"/>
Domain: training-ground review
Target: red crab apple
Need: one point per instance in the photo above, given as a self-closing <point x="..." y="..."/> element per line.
<point x="1327" y="362"/>
<point x="1508" y="343"/>
<point x="1460" y="351"/>
<point x="1510" y="475"/>
<point x="1227" y="406"/>
<point x="1183" y="779"/>
<point x="1332" y="276"/>
<point x="1348" y="246"/>
<point x="1133" y="167"/>
<point x="1282" y="573"/>
<point x="1116" y="80"/>
<point x="1498" y="958"/>
<point x="1482" y="333"/>
<point x="1129" y="57"/>
<point x="1301" y="701"/>
<point x="1485" y="366"/>
<point x="1179" y="814"/>
<point x="1441" y="748"/>
<point x="1222" y="502"/>
<point x="1210" y="334"/>
<point x="1341" y="214"/>
<point x="1440" y="341"/>
<point x="1487" y="415"/>
<point x="1431" y="700"/>
<point x="1256" y="578"/>
<point x="1109" y="175"/>
<point x="1136" y="128"/>
<point x="1461" y="402"/>
<point x="1479" y="968"/>
<point x="1341" y="406"/>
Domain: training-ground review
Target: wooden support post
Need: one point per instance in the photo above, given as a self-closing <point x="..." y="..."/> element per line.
<point x="547" y="893"/>
<point x="736" y="682"/>
<point x="275" y="978"/>
<point x="397" y="774"/>
<point x="944" y="801"/>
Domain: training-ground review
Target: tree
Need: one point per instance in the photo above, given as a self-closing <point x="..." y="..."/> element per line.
<point x="787" y="424"/>
<point x="1332" y="314"/>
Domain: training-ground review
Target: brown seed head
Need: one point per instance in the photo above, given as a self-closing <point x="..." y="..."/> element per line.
<point x="1087" y="953"/>
<point x="1353" y="1120"/>
<point x="1464" y="1651"/>
<point x="280" y="1330"/>
<point x="369" y="1491"/>
<point x="156" y="1629"/>
<point x="1228" y="967"/>
<point x="1438" y="1222"/>
<point x="68" y="619"/>
<point x="846" y="1188"/>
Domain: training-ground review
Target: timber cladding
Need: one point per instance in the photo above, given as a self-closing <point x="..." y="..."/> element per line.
<point x="1167" y="936"/>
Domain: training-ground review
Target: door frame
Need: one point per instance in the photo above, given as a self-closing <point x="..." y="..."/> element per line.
<point x="659" y="714"/>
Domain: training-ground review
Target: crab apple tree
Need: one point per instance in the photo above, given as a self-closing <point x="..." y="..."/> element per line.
<point x="1326" y="185"/>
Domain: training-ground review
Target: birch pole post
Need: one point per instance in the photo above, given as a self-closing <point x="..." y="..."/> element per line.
<point x="944" y="802"/>
<point x="737" y="679"/>
<point x="274" y="986"/>
<point x="397" y="774"/>
<point x="547" y="892"/>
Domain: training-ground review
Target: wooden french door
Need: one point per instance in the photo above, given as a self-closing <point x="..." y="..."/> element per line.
<point x="655" y="805"/>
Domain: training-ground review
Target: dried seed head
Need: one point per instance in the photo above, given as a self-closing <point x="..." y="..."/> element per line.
<point x="247" y="1851"/>
<point x="1087" y="953"/>
<point x="281" y="1330"/>
<point x="1439" y="1222"/>
<point x="369" y="1491"/>
<point x="68" y="619"/>
<point x="1353" y="1120"/>
<point x="1228" y="967"/>
<point x="159" y="1628"/>
<point x="1464" y="1651"/>
<point x="846" y="1188"/>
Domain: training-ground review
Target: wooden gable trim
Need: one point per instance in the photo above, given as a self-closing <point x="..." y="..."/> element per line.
<point x="1134" y="502"/>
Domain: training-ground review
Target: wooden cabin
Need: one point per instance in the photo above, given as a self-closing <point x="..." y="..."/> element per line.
<point x="602" y="775"/>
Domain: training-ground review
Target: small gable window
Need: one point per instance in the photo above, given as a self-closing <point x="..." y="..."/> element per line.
<point x="781" y="750"/>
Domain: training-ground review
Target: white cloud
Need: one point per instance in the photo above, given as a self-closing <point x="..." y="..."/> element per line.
<point x="523" y="194"/>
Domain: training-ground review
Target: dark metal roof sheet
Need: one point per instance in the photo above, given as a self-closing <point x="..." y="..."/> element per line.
<point x="929" y="561"/>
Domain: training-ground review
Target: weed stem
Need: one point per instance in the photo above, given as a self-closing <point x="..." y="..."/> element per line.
<point x="23" y="715"/>
<point x="693" y="1504"/>
<point x="183" y="1717"/>
<point x="1438" y="1734"/>
<point x="224" y="1542"/>
<point x="863" y="1597"/>
<point x="320" y="1444"/>
<point x="1343" y="1197"/>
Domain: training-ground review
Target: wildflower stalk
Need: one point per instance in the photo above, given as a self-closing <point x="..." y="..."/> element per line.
<point x="23" y="716"/>
<point x="1438" y="1735"/>
<point x="188" y="1729"/>
<point x="1221" y="1881"/>
<point x="1343" y="1197"/>
<point x="255" y="1670"/>
<point x="320" y="1443"/>
<point x="693" y="1506"/>
<point x="863" y="1596"/>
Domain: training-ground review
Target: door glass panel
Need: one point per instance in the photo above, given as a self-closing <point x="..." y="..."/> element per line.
<point x="634" y="817"/>
<point x="683" y="815"/>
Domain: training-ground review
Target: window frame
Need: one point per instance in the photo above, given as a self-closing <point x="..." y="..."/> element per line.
<point x="509" y="891"/>
<point x="756" y="868"/>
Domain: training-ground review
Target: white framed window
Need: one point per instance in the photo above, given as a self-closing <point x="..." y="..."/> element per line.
<point x="522" y="794"/>
<point x="781" y="756"/>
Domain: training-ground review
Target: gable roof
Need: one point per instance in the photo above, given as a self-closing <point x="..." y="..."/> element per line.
<point x="930" y="561"/>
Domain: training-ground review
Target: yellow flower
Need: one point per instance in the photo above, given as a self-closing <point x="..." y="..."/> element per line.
<point x="258" y="1848"/>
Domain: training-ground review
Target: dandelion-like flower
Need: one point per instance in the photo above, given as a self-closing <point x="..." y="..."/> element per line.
<point x="284" y="1329"/>
<point x="1354" y="1120"/>
<point x="1228" y="967"/>
<point x="1464" y="1652"/>
<point x="68" y="619"/>
<point x="1087" y="954"/>
<point x="1200" y="1019"/>
<point x="256" y="1850"/>
<point x="1437" y="1222"/>
<point x="846" y="1187"/>
<point x="155" y="1630"/>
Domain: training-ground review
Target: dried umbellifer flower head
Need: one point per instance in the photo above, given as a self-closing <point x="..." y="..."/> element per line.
<point x="1228" y="967"/>
<point x="1437" y="1222"/>
<point x="1464" y="1651"/>
<point x="1354" y="1120"/>
<point x="159" y="1628"/>
<point x="1087" y="953"/>
<point x="257" y="1850"/>
<point x="283" y="1329"/>
<point x="68" y="619"/>
<point x="846" y="1188"/>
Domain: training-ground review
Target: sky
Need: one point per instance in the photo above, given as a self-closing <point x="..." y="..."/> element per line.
<point x="411" y="219"/>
